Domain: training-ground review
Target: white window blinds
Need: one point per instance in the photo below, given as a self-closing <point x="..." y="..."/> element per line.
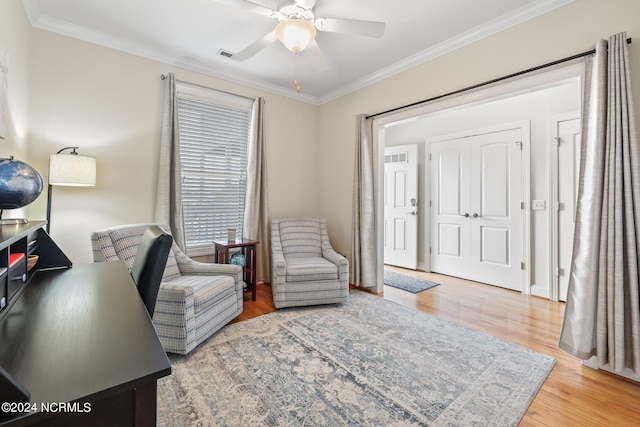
<point x="213" y="129"/>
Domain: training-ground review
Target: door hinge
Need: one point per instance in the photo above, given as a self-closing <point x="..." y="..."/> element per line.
<point x="522" y="266"/>
<point x="522" y="205"/>
<point x="429" y="156"/>
<point x="560" y="272"/>
<point x="558" y="140"/>
<point x="429" y="250"/>
<point x="519" y="144"/>
<point x="429" y="203"/>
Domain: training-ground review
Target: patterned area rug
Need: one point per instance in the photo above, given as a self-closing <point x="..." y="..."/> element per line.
<point x="407" y="283"/>
<point x="367" y="362"/>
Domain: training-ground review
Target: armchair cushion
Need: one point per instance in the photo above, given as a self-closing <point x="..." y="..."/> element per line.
<point x="301" y="239"/>
<point x="207" y="291"/>
<point x="310" y="269"/>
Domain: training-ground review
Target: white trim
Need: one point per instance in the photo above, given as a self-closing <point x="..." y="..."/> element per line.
<point x="502" y="23"/>
<point x="191" y="91"/>
<point x="96" y="37"/>
<point x="32" y="10"/>
<point x="554" y="227"/>
<point x="495" y="26"/>
<point x="426" y="195"/>
<point x="201" y="250"/>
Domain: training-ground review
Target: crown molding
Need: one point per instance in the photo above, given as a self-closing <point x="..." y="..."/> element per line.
<point x="96" y="37"/>
<point x="91" y="36"/>
<point x="488" y="29"/>
<point x="32" y="10"/>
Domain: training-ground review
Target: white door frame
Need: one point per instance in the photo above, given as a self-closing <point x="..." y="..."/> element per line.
<point x="506" y="90"/>
<point x="554" y="219"/>
<point x="525" y="127"/>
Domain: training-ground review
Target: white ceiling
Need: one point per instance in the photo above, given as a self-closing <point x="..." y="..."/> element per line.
<point x="190" y="33"/>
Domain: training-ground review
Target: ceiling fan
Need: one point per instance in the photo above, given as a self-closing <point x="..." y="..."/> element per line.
<point x="297" y="26"/>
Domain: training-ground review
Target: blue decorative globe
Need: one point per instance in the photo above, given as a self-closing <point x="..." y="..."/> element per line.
<point x="238" y="259"/>
<point x="20" y="184"/>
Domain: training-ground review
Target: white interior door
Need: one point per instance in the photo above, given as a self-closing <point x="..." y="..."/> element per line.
<point x="450" y="210"/>
<point x="476" y="207"/>
<point x="401" y="206"/>
<point x="567" y="139"/>
<point x="496" y="217"/>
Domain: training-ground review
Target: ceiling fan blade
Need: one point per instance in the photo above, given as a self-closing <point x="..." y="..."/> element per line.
<point x="305" y="4"/>
<point x="351" y="26"/>
<point x="316" y="56"/>
<point x="251" y="7"/>
<point x="255" y="47"/>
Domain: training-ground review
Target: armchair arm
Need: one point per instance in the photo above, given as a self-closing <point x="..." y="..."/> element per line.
<point x="279" y="264"/>
<point x="331" y="255"/>
<point x="190" y="267"/>
<point x="174" y="318"/>
<point x="279" y="268"/>
<point x="102" y="247"/>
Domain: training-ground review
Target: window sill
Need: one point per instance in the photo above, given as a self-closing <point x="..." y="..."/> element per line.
<point x="201" y="251"/>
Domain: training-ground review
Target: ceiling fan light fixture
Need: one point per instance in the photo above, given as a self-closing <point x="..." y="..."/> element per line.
<point x="295" y="34"/>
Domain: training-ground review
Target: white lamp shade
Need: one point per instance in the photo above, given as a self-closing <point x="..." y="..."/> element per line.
<point x="295" y="34"/>
<point x="72" y="169"/>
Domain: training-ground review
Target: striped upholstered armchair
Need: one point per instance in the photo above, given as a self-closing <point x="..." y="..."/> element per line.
<point x="195" y="299"/>
<point x="305" y="268"/>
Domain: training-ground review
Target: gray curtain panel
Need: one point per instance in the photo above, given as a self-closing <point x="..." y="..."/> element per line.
<point x="363" y="269"/>
<point x="169" y="191"/>
<point x="602" y="314"/>
<point x="256" y="210"/>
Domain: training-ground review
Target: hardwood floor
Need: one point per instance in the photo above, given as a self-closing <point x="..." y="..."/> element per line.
<point x="572" y="395"/>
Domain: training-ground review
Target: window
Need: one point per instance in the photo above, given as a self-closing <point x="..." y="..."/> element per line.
<point x="213" y="129"/>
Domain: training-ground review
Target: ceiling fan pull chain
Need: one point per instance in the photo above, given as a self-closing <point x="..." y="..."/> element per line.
<point x="295" y="80"/>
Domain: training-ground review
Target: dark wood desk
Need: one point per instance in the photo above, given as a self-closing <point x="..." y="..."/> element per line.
<point x="248" y="249"/>
<point x="83" y="335"/>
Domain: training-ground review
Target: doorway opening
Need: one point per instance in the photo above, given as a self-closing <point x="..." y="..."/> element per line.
<point x="535" y="100"/>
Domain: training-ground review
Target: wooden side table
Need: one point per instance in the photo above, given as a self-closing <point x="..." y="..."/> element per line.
<point x="248" y="249"/>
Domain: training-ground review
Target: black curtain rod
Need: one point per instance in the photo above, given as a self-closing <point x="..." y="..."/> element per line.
<point x="488" y="82"/>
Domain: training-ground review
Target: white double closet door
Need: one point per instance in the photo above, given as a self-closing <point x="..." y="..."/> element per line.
<point x="476" y="207"/>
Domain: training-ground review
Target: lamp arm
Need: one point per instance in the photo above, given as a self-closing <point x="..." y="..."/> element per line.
<point x="73" y="150"/>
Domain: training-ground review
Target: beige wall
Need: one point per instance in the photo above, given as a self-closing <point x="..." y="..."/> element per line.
<point x="109" y="104"/>
<point x="563" y="32"/>
<point x="14" y="37"/>
<point x="68" y="92"/>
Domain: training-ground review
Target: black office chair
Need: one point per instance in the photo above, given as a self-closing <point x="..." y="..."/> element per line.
<point x="149" y="263"/>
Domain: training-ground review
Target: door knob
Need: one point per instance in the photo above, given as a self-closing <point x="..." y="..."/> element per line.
<point x="475" y="215"/>
<point x="413" y="213"/>
<point x="466" y="215"/>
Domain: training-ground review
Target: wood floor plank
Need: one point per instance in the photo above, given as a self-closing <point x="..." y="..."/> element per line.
<point x="572" y="395"/>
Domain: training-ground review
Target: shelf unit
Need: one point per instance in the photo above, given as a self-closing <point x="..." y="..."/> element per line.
<point x="17" y="243"/>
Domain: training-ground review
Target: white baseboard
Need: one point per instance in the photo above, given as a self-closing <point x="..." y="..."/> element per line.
<point x="540" y="291"/>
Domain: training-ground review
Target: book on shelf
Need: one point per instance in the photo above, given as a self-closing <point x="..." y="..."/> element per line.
<point x="15" y="258"/>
